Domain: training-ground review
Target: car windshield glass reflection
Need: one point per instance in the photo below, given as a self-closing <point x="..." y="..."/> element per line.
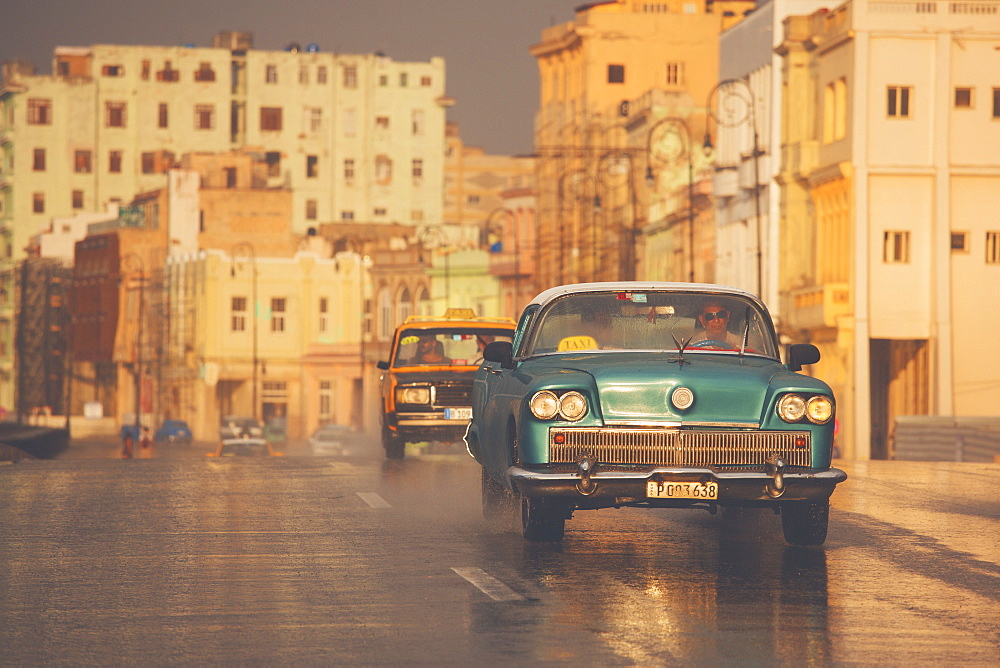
<point x="652" y="321"/>
<point x="444" y="347"/>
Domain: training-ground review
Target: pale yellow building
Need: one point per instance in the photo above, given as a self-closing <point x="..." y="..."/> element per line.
<point x="592" y="198"/>
<point x="890" y="187"/>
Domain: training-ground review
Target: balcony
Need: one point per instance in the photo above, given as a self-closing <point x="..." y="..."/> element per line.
<point x="816" y="306"/>
<point x="801" y="158"/>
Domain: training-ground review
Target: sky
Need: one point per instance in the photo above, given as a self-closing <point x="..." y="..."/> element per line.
<point x="490" y="73"/>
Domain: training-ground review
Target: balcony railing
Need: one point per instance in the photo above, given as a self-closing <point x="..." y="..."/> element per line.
<point x="816" y="306"/>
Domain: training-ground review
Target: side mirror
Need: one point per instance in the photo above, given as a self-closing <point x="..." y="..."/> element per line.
<point x="383" y="365"/>
<point x="500" y="351"/>
<point x="801" y="353"/>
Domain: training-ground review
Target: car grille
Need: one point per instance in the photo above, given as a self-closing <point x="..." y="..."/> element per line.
<point x="671" y="447"/>
<point x="453" y="393"/>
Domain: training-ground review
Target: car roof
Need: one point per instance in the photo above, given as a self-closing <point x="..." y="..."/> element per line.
<point x="642" y="286"/>
<point x="458" y="316"/>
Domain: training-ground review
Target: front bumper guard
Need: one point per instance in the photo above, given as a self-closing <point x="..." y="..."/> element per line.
<point x="734" y="486"/>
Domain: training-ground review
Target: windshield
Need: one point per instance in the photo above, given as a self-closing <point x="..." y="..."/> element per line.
<point x="652" y="321"/>
<point x="446" y="346"/>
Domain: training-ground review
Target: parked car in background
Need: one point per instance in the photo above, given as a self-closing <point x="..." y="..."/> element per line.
<point x="333" y="439"/>
<point x="275" y="433"/>
<point x="665" y="395"/>
<point x="234" y="426"/>
<point x="173" y="431"/>
<point x="244" y="447"/>
<point x="427" y="381"/>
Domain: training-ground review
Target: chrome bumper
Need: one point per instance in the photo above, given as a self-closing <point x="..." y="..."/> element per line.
<point x="734" y="486"/>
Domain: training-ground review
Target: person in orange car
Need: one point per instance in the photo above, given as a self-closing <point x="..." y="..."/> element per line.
<point x="430" y="351"/>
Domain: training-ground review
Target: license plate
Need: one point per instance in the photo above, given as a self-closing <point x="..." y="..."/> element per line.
<point x="682" y="490"/>
<point x="458" y="414"/>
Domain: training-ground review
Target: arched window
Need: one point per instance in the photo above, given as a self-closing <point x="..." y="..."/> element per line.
<point x="404" y="304"/>
<point x="423" y="301"/>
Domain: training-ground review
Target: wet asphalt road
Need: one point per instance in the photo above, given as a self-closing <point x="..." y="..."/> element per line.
<point x="175" y="558"/>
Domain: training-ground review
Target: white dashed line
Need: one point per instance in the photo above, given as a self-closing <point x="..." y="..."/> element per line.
<point x="488" y="584"/>
<point x="374" y="500"/>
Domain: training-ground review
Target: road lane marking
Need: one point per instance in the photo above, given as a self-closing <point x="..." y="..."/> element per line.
<point x="488" y="584"/>
<point x="374" y="500"/>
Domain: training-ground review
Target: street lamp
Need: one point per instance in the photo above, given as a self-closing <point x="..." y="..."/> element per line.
<point x="611" y="164"/>
<point x="131" y="265"/>
<point x="736" y="106"/>
<point x="569" y="184"/>
<point x="676" y="143"/>
<point x="246" y="249"/>
<point x="433" y="237"/>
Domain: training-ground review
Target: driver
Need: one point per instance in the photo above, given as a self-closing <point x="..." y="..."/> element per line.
<point x="429" y="351"/>
<point x="714" y="317"/>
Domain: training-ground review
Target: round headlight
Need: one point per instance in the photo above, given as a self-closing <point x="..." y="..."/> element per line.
<point x="413" y="395"/>
<point x="791" y="407"/>
<point x="819" y="409"/>
<point x="544" y="405"/>
<point x="572" y="406"/>
<point x="682" y="398"/>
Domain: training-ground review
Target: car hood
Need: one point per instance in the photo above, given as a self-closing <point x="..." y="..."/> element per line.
<point x="637" y="386"/>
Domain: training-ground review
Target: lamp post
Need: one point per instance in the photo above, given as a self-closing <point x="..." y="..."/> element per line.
<point x="674" y="144"/>
<point x="614" y="163"/>
<point x="508" y="229"/>
<point x="736" y="105"/>
<point x="433" y="237"/>
<point x="569" y="184"/>
<point x="246" y="249"/>
<point x="132" y="266"/>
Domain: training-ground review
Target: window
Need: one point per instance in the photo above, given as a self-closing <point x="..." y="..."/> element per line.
<point x="418" y="118"/>
<point x="425" y="82"/>
<point x="380" y="212"/>
<point x="896" y="247"/>
<point x="270" y="118"/>
<point x="146" y="67"/>
<point x="39" y="112"/>
<point x="899" y="101"/>
<point x="314" y="119"/>
<point x="81" y="162"/>
<point x="38" y="202"/>
<point x="38" y="164"/>
<point x="996" y="103"/>
<point x="324" y="314"/>
<point x="204" y="72"/>
<point x="77" y="199"/>
<point x="959" y="242"/>
<point x="325" y="400"/>
<point x="349" y="169"/>
<point x="115" y="162"/>
<point x="277" y="314"/>
<point x="382" y="122"/>
<point x="303" y="74"/>
<point x="168" y="73"/>
<point x="112" y="71"/>
<point x="162" y="115"/>
<point x="350" y="76"/>
<point x="472" y="199"/>
<point x="204" y="116"/>
<point x="271" y="74"/>
<point x="312" y="166"/>
<point x="273" y="160"/>
<point x="383" y="80"/>
<point x="321" y="74"/>
<point x="347" y="215"/>
<point x="616" y="74"/>
<point x="835" y="111"/>
<point x="238" y="314"/>
<point x="993" y="248"/>
<point x="310" y="209"/>
<point x="230" y="176"/>
<point x="404" y="80"/>
<point x="383" y="169"/>
<point x="148" y="163"/>
<point x="963" y="98"/>
<point x="675" y="74"/>
<point x="418" y="169"/>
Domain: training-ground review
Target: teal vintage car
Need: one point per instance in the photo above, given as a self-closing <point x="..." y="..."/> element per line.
<point x="651" y="394"/>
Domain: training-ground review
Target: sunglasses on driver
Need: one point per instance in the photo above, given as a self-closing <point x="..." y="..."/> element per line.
<point x="709" y="317"/>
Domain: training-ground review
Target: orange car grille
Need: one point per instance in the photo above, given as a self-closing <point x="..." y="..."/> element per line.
<point x="664" y="447"/>
<point x="453" y="394"/>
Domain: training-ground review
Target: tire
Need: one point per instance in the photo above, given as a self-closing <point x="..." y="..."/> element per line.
<point x="542" y="520"/>
<point x="805" y="523"/>
<point x="395" y="447"/>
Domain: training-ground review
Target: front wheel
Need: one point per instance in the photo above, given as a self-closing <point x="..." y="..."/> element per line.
<point x="542" y="520"/>
<point x="395" y="447"/>
<point x="805" y="523"/>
